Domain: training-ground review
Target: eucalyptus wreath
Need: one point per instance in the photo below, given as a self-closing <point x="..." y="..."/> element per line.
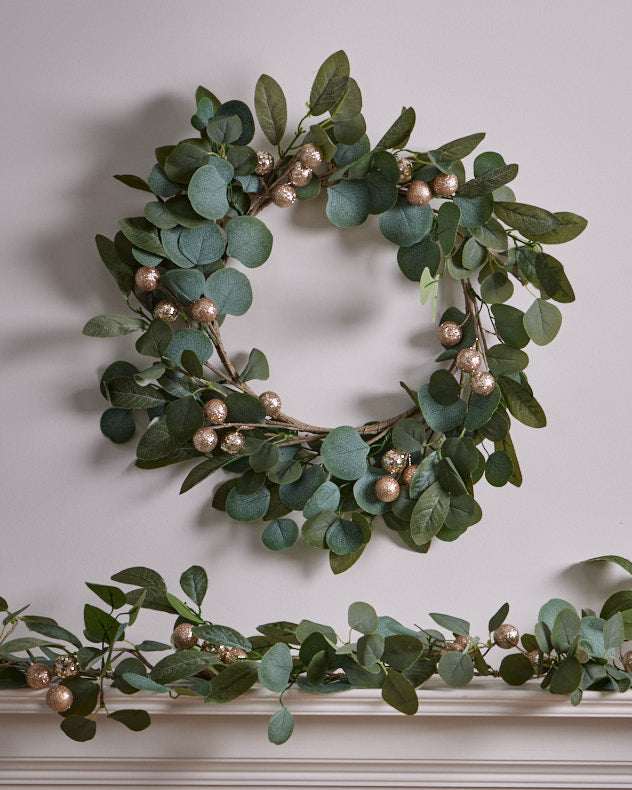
<point x="175" y="268"/>
<point x="569" y="651"/>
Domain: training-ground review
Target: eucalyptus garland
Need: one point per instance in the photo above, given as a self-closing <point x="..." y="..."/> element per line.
<point x="175" y="268"/>
<point x="569" y="652"/>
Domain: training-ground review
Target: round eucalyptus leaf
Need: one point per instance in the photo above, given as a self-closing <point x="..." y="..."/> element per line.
<point x="498" y="468"/>
<point x="344" y="453"/>
<point x="348" y="203"/>
<point x="118" y="425"/>
<point x="247" y="507"/>
<point x="279" y="534"/>
<point x="405" y="224"/>
<point x="249" y="240"/>
<point x="189" y="340"/>
<point x="230" y="290"/>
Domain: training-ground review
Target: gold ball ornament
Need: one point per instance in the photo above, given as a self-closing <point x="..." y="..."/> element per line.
<point x="205" y="440"/>
<point x="284" y="195"/>
<point x="215" y="411"/>
<point x="468" y="360"/>
<point x="534" y="658"/>
<point x="408" y="474"/>
<point x="461" y="643"/>
<point x="59" y="698"/>
<point x="310" y="155"/>
<point x="166" y="310"/>
<point x="272" y="403"/>
<point x="66" y="666"/>
<point x="204" y="311"/>
<point x="209" y="647"/>
<point x="627" y="661"/>
<point x="445" y="184"/>
<point x="449" y="333"/>
<point x="299" y="175"/>
<point x="38" y="676"/>
<point x="405" y="169"/>
<point x="506" y="636"/>
<point x="482" y="383"/>
<point x="387" y="489"/>
<point x="207" y="674"/>
<point x="419" y="193"/>
<point x="265" y="163"/>
<point x="230" y="655"/>
<point x="147" y="278"/>
<point x="233" y="443"/>
<point x="183" y="637"/>
<point x="393" y="461"/>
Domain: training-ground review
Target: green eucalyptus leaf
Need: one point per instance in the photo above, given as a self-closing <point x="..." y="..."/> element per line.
<point x="281" y="726"/>
<point x="275" y="667"/>
<point x="455" y="669"/>
<point x="208" y="186"/>
<point x="249" y="240"/>
<point x="569" y="227"/>
<point x="271" y="108"/>
<point x="348" y="203"/>
<point x="230" y="290"/>
<point x="112" y="325"/>
<point x="405" y="224"/>
<point x="522" y="404"/>
<point x="398" y="134"/>
<point x="429" y="514"/>
<point x="330" y="83"/>
<point x="279" y="534"/>
<point x="516" y="669"/>
<point x="524" y="218"/>
<point x="399" y="693"/>
<point x="118" y="425"/>
<point x="344" y="453"/>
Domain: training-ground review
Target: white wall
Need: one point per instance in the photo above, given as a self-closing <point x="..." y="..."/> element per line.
<point x="90" y="88"/>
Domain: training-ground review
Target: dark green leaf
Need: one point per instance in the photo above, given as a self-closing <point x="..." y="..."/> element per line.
<point x="399" y="693"/>
<point x="526" y="219"/>
<point x="248" y="507"/>
<point x="113" y="596"/>
<point x="135" y="720"/>
<point x="157" y="442"/>
<point x="121" y="271"/>
<point x="182" y="664"/>
<point x="249" y="241"/>
<point x="498" y="468"/>
<point x="344" y="537"/>
<point x="516" y="669"/>
<point x="142" y="234"/>
<point x="79" y="728"/>
<point x="429" y="514"/>
<point x="330" y="83"/>
<point x="233" y="108"/>
<point x="440" y="418"/>
<point x="201" y="472"/>
<point x="510" y="325"/>
<point x="448" y="219"/>
<point x="569" y="227"/>
<point x="498" y="618"/>
<point x="522" y="404"/>
<point x="405" y="224"/>
<point x="233" y="681"/>
<point x="567" y="676"/>
<point x="194" y="583"/>
<point x="279" y="534"/>
<point x="118" y="425"/>
<point x="443" y="388"/>
<point x="271" y="108"/>
<point x="488" y="182"/>
<point x="480" y="409"/>
<point x="616" y="559"/>
<point x="125" y="393"/>
<point x="458" y="149"/>
<point x="504" y="360"/>
<point x="398" y="134"/>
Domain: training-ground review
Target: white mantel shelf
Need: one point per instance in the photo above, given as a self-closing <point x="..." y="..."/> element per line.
<point x="483" y="697"/>
<point x="486" y="735"/>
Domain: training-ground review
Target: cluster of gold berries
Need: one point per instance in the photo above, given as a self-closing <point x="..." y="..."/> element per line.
<point x="421" y="192"/>
<point x="299" y="174"/>
<point x="184" y="639"/>
<point x="38" y="676"/>
<point x="469" y="360"/>
<point x="398" y="467"/>
<point x="233" y="442"/>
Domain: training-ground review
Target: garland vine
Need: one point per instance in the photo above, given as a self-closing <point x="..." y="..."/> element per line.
<point x="569" y="652"/>
<point x="415" y="470"/>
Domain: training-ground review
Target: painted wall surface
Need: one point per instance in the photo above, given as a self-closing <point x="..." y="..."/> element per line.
<point x="91" y="88"/>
